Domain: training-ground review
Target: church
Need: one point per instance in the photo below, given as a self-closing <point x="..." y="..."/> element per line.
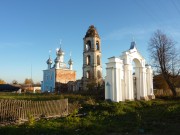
<point x="128" y="77"/>
<point x="54" y="77"/>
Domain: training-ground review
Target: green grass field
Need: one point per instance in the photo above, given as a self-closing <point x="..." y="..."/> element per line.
<point x="99" y="117"/>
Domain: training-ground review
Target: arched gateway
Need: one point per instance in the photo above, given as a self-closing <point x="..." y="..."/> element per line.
<point x="127" y="81"/>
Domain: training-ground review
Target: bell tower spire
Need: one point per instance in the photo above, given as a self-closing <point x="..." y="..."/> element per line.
<point x="92" y="67"/>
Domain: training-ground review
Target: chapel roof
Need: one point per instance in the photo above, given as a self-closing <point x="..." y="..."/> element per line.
<point x="133" y="45"/>
<point x="8" y="88"/>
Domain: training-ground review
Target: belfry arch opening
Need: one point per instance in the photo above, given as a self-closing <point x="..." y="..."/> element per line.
<point x="97" y="45"/>
<point x="88" y="74"/>
<point x="99" y="74"/>
<point x="98" y="60"/>
<point x="136" y="65"/>
<point x="88" y="60"/>
<point x="88" y="45"/>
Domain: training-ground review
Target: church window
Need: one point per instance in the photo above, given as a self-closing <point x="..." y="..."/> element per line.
<point x="97" y="45"/>
<point x="88" y="60"/>
<point x="88" y="45"/>
<point x="98" y="60"/>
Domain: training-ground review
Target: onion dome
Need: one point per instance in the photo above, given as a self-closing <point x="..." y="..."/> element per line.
<point x="70" y="62"/>
<point x="92" y="32"/>
<point x="56" y="60"/>
<point x="60" y="52"/>
<point x="49" y="61"/>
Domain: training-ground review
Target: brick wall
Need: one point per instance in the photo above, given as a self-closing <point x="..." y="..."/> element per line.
<point x="64" y="76"/>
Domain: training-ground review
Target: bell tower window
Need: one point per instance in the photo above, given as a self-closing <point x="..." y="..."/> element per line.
<point x="88" y="45"/>
<point x="98" y="74"/>
<point x="98" y="60"/>
<point x="88" y="60"/>
<point x="97" y="45"/>
<point x="88" y="74"/>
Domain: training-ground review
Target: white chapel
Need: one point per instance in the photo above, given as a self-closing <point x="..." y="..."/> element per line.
<point x="55" y="76"/>
<point x="128" y="77"/>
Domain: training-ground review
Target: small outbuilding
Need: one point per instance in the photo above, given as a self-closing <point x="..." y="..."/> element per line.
<point x="9" y="88"/>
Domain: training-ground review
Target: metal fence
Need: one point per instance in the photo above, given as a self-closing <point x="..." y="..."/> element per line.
<point x="21" y="110"/>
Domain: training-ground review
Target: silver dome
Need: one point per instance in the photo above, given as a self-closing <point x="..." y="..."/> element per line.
<point x="70" y="62"/>
<point x="60" y="52"/>
<point x="49" y="61"/>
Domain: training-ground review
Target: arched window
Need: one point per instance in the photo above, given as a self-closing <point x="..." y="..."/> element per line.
<point x="97" y="45"/>
<point x="98" y="60"/>
<point x="88" y="60"/>
<point x="88" y="45"/>
<point x="99" y="74"/>
<point x="88" y="74"/>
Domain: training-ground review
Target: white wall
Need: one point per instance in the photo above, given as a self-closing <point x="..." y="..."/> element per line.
<point x="48" y="80"/>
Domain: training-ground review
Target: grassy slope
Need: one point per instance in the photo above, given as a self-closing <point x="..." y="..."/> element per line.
<point x="160" y="116"/>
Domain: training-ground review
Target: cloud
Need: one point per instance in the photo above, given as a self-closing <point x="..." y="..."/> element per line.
<point x="142" y="33"/>
<point x="122" y="33"/>
<point x="4" y="45"/>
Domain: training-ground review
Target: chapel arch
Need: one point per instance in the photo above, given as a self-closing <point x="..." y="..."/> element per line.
<point x="124" y="84"/>
<point x="136" y="65"/>
<point x="137" y="62"/>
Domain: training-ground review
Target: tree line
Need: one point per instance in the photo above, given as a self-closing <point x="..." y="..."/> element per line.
<point x="27" y="81"/>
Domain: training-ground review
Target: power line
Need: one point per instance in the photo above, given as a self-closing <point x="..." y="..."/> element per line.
<point x="162" y="8"/>
<point x="176" y="7"/>
<point x="145" y="10"/>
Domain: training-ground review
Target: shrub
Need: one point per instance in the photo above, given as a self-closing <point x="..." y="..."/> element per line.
<point x="31" y="120"/>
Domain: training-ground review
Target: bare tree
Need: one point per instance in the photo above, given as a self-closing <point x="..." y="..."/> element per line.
<point x="28" y="81"/>
<point x="14" y="82"/>
<point x="165" y="58"/>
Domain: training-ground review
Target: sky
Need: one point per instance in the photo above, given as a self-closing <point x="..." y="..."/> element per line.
<point x="30" y="28"/>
